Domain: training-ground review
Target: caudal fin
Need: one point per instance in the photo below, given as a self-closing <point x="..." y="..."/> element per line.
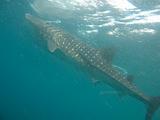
<point x="154" y="104"/>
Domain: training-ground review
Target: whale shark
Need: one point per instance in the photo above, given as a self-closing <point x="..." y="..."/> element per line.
<point x="87" y="55"/>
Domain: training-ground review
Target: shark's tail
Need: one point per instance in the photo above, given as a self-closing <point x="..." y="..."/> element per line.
<point x="154" y="104"/>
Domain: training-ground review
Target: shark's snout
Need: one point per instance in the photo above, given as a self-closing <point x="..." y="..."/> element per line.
<point x="35" y="20"/>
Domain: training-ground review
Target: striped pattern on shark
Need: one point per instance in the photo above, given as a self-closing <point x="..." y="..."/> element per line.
<point x="84" y="53"/>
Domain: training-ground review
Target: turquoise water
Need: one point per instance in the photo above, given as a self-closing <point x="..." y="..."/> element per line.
<point x="38" y="85"/>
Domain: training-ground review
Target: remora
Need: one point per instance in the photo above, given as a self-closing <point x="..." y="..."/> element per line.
<point x="71" y="46"/>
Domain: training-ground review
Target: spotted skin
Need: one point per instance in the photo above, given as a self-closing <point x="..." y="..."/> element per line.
<point x="84" y="53"/>
<point x="90" y="56"/>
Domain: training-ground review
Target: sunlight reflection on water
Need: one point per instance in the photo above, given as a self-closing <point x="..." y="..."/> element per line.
<point x="116" y="18"/>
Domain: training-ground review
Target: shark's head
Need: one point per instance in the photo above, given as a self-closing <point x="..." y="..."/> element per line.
<point x="48" y="30"/>
<point x="35" y="20"/>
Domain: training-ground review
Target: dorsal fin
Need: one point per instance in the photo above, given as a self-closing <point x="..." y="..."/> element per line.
<point x="108" y="54"/>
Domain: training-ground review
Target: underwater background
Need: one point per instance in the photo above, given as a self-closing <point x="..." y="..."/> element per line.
<point x="37" y="85"/>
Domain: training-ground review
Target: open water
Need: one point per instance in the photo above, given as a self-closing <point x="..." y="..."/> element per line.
<point x="38" y="85"/>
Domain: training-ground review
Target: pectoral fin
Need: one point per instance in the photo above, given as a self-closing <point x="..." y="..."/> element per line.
<point x="95" y="81"/>
<point x="51" y="46"/>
